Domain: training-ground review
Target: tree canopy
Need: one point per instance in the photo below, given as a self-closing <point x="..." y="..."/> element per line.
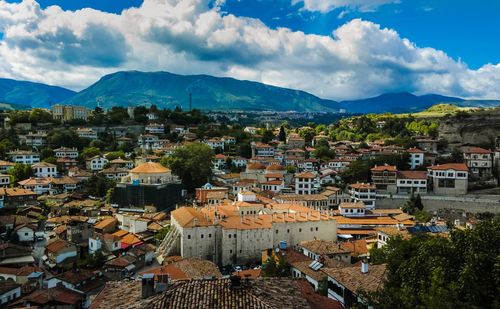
<point x="192" y="163"/>
<point x="425" y="271"/>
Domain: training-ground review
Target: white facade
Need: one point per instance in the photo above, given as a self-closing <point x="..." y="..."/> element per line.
<point x="306" y="183"/>
<point x="25" y="234"/>
<point x="155" y="128"/>
<point x="363" y="193"/>
<point x="416" y="159"/>
<point x="215" y="143"/>
<point x="408" y="186"/>
<point x="64" y="152"/>
<point x="24" y="157"/>
<point x="96" y="163"/>
<point x="87" y="133"/>
<point x="4" y="181"/>
<point x="44" y="169"/>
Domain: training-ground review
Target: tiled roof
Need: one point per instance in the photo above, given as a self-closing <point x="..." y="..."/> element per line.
<point x="249" y="273"/>
<point x="478" y="150"/>
<point x="412" y="175"/>
<point x="188" y="217"/>
<point x="323" y="247"/>
<point x="6" y="286"/>
<point x="382" y="168"/>
<point x="354" y="280"/>
<point x="106" y="223"/>
<point x="150" y="168"/>
<point x="353" y="205"/>
<point x="58" y="294"/>
<point x="58" y="245"/>
<point x="305" y="175"/>
<point x="450" y="166"/>
<point x="362" y="186"/>
<point x="414" y="150"/>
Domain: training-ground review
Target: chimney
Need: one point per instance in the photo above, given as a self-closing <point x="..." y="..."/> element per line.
<point x="364" y="267"/>
<point x="148" y="285"/>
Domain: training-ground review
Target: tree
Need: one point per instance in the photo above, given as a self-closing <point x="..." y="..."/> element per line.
<point x="5" y="146"/>
<point x="324" y="153"/>
<point x="38" y="115"/>
<point x="20" y="172"/>
<point x="267" y="136"/>
<point x="192" y="163"/>
<point x="282" y="134"/>
<point x="89" y="152"/>
<point x="459" y="271"/>
<point x="98" y="185"/>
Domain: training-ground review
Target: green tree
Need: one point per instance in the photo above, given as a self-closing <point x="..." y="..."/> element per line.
<point x="459" y="271"/>
<point x="20" y="172"/>
<point x="38" y="115"/>
<point x="282" y="134"/>
<point x="98" y="185"/>
<point x="5" y="146"/>
<point x="267" y="136"/>
<point x="192" y="163"/>
<point x="89" y="152"/>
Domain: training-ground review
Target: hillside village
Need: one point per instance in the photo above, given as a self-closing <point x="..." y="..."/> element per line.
<point x="97" y="202"/>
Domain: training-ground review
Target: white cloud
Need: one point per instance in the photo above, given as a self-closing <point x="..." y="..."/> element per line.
<point x="358" y="59"/>
<point x="329" y="5"/>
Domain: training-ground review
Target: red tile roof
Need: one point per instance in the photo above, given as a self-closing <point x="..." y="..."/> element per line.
<point x="412" y="174"/>
<point x="450" y="166"/>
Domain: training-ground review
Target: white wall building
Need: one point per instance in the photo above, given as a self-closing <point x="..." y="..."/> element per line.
<point x="24" y="157"/>
<point x="44" y="169"/>
<point x="96" y="163"/>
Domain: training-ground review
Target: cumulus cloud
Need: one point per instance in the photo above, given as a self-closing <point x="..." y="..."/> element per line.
<point x="358" y="59"/>
<point x="329" y="5"/>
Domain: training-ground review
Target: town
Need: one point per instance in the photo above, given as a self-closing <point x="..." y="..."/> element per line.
<point x="117" y="207"/>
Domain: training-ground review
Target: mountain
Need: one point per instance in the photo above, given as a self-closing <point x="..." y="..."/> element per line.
<point x="22" y="94"/>
<point x="168" y="90"/>
<point x="402" y="102"/>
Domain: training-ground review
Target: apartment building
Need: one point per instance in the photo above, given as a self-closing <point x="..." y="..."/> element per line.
<point x="384" y="178"/>
<point x="306" y="183"/>
<point x="24" y="157"/>
<point x="449" y="179"/>
<point x="479" y="161"/>
<point x="363" y="192"/>
<point x="416" y="157"/>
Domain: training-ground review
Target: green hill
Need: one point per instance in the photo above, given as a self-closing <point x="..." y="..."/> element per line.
<point x="167" y="90"/>
<point x="23" y="94"/>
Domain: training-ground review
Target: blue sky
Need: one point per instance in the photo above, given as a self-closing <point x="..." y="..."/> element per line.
<point x="338" y="49"/>
<point x="461" y="28"/>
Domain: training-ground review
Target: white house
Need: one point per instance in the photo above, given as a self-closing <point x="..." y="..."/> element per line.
<point x="215" y="143"/>
<point x="87" y="133"/>
<point x="26" y="233"/>
<point x="24" y="157"/>
<point x="4" y="181"/>
<point x="44" y="169"/>
<point x="363" y="192"/>
<point x="64" y="152"/>
<point x="449" y="179"/>
<point x="36" y="139"/>
<point x="155" y="128"/>
<point x="409" y="182"/>
<point x="37" y="185"/>
<point x="416" y="157"/>
<point x="306" y="183"/>
<point x="96" y="163"/>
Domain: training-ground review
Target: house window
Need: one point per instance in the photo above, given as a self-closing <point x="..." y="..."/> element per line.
<point x="300" y="230"/>
<point x="276" y="231"/>
<point x="209" y="235"/>
<point x="189" y="236"/>
<point x="288" y="230"/>
<point x="316" y="229"/>
<point x="201" y="235"/>
<point x="229" y="235"/>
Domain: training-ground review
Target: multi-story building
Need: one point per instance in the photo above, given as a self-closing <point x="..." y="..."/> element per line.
<point x="363" y="192"/>
<point x="428" y="144"/>
<point x="96" y="163"/>
<point x="36" y="139"/>
<point x="37" y="185"/>
<point x="384" y="178"/>
<point x="24" y="157"/>
<point x="155" y="128"/>
<point x="479" y="161"/>
<point x="215" y="143"/>
<point x="5" y="166"/>
<point x="64" y="152"/>
<point x="227" y="235"/>
<point x="262" y="150"/>
<point x="449" y="179"/>
<point x="4" y="181"/>
<point x="149" y="142"/>
<point x="44" y="169"/>
<point x="293" y="140"/>
<point x="69" y="112"/>
<point x="306" y="183"/>
<point x="412" y="182"/>
<point x="87" y="133"/>
<point x="416" y="157"/>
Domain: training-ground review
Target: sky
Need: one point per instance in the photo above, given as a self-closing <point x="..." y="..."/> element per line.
<point x="336" y="49"/>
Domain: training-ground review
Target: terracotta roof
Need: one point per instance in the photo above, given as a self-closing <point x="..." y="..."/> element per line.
<point x="58" y="245"/>
<point x="357" y="247"/>
<point x="34" y="181"/>
<point x="275" y="167"/>
<point x="450" y="166"/>
<point x="43" y="164"/>
<point x="189" y="217"/>
<point x="362" y="186"/>
<point x="414" y="150"/>
<point x="354" y="205"/>
<point x="105" y="223"/>
<point x="15" y="192"/>
<point x="412" y="175"/>
<point x="130" y="239"/>
<point x="323" y="247"/>
<point x="58" y="294"/>
<point x="382" y="168"/>
<point x="478" y="150"/>
<point x="60" y="229"/>
<point x="354" y="280"/>
<point x="150" y="168"/>
<point x="392" y="231"/>
<point x="304" y="268"/>
<point x="305" y="175"/>
<point x="256" y="166"/>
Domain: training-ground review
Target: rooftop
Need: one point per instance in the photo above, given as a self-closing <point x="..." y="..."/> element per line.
<point x="354" y="280"/>
<point x="150" y="168"/>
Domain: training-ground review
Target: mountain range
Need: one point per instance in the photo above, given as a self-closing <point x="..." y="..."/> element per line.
<point x="168" y="90"/>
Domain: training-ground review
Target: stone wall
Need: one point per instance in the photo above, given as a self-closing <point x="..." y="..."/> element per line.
<point x="480" y="205"/>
